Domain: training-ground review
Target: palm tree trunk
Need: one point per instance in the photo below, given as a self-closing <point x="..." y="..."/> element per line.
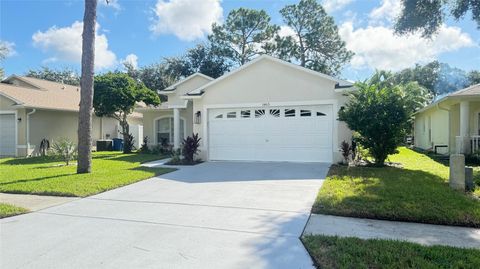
<point x="86" y="86"/>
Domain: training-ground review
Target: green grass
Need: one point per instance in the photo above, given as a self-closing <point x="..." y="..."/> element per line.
<point x="47" y="176"/>
<point x="335" y="252"/>
<point x="7" y="210"/>
<point x="418" y="192"/>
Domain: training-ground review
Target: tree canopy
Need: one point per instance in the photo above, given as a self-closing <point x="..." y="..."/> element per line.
<point x="316" y="43"/>
<point x="116" y="95"/>
<point x="426" y="17"/>
<point x="245" y="34"/>
<point x="66" y="76"/>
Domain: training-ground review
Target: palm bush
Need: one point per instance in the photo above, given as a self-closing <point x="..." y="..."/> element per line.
<point x="65" y="149"/>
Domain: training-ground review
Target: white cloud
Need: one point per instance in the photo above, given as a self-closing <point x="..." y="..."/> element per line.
<point x="334" y="5"/>
<point x="131" y="59"/>
<point x="10" y="48"/>
<point x="65" y="44"/>
<point x="285" y="31"/>
<point x="378" y="46"/>
<point x="112" y="4"/>
<point x="388" y="11"/>
<point x="186" y="19"/>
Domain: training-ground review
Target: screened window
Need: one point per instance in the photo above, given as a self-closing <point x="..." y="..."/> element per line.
<point x="164" y="129"/>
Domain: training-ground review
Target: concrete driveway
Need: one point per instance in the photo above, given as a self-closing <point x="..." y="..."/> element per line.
<point x="213" y="215"/>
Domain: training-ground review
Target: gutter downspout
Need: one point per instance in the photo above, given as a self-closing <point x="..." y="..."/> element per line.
<point x="27" y="138"/>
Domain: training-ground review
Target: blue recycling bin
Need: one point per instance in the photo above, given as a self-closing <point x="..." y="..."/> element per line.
<point x="117" y="144"/>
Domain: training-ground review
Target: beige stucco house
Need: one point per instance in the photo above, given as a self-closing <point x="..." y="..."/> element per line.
<point x="266" y="110"/>
<point x="33" y="109"/>
<point x="452" y="124"/>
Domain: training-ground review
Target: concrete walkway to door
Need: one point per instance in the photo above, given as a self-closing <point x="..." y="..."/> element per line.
<point x="212" y="215"/>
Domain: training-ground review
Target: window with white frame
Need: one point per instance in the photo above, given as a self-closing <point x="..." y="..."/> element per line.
<point x="164" y="130"/>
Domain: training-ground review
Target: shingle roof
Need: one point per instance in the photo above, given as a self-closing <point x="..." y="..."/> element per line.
<point x="46" y="95"/>
<point x="472" y="90"/>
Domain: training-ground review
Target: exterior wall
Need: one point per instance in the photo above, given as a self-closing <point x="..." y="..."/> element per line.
<point x="150" y="116"/>
<point x="267" y="82"/>
<point x="437" y="120"/>
<point x="445" y="126"/>
<point x="54" y="125"/>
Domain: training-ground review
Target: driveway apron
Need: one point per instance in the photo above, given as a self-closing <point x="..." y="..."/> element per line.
<point x="212" y="215"/>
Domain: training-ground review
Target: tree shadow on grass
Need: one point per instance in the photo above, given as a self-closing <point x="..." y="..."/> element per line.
<point x="395" y="194"/>
<point x="35" y="179"/>
<point x="32" y="160"/>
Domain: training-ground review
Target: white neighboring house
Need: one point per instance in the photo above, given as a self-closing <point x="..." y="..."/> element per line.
<point x="452" y="124"/>
<point x="266" y="110"/>
<point x="33" y="109"/>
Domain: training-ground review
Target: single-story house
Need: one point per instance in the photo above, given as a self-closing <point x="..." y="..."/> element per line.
<point x="451" y="124"/>
<point x="266" y="110"/>
<point x="33" y="109"/>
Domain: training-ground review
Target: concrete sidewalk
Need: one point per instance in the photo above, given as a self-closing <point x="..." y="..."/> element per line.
<point x="425" y="234"/>
<point x="34" y="202"/>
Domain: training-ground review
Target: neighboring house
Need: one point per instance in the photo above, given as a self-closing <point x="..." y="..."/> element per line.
<point x="33" y="109"/>
<point x="266" y="110"/>
<point x="452" y="124"/>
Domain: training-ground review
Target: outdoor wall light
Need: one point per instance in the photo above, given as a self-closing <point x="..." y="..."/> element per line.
<point x="198" y="117"/>
<point x="19" y="119"/>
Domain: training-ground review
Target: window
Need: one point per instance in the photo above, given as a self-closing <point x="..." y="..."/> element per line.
<point x="164" y="129"/>
<point x="232" y="115"/>
<point x="220" y="116"/>
<point x="275" y="112"/>
<point x="319" y="114"/>
<point x="245" y="113"/>
<point x="259" y="113"/>
<point x="289" y="112"/>
<point x="305" y="113"/>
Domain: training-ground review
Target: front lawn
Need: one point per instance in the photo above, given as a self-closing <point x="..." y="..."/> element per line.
<point x="418" y="192"/>
<point x="7" y="210"/>
<point x="336" y="252"/>
<point x="47" y="176"/>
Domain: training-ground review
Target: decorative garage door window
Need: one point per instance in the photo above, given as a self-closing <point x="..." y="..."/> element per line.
<point x="258" y="113"/>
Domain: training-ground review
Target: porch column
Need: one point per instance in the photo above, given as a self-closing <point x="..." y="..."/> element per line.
<point x="176" y="128"/>
<point x="464" y="127"/>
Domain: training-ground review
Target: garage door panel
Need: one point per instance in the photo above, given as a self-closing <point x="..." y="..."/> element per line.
<point x="7" y="135"/>
<point x="270" y="135"/>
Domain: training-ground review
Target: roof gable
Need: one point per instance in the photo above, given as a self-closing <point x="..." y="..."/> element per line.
<point x="173" y="87"/>
<point x="199" y="91"/>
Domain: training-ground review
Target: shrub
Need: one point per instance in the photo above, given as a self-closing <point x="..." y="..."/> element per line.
<point x="65" y="149"/>
<point x="44" y="147"/>
<point x="346" y="149"/>
<point x="379" y="116"/>
<point x="190" y="147"/>
<point x="144" y="148"/>
<point x="128" y="143"/>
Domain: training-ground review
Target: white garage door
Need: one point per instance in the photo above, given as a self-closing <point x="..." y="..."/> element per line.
<point x="297" y="134"/>
<point x="7" y="135"/>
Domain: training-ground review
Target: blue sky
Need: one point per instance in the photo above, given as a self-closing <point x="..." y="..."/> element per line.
<point x="47" y="33"/>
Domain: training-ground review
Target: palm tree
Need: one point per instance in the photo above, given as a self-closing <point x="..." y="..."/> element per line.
<point x="86" y="86"/>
